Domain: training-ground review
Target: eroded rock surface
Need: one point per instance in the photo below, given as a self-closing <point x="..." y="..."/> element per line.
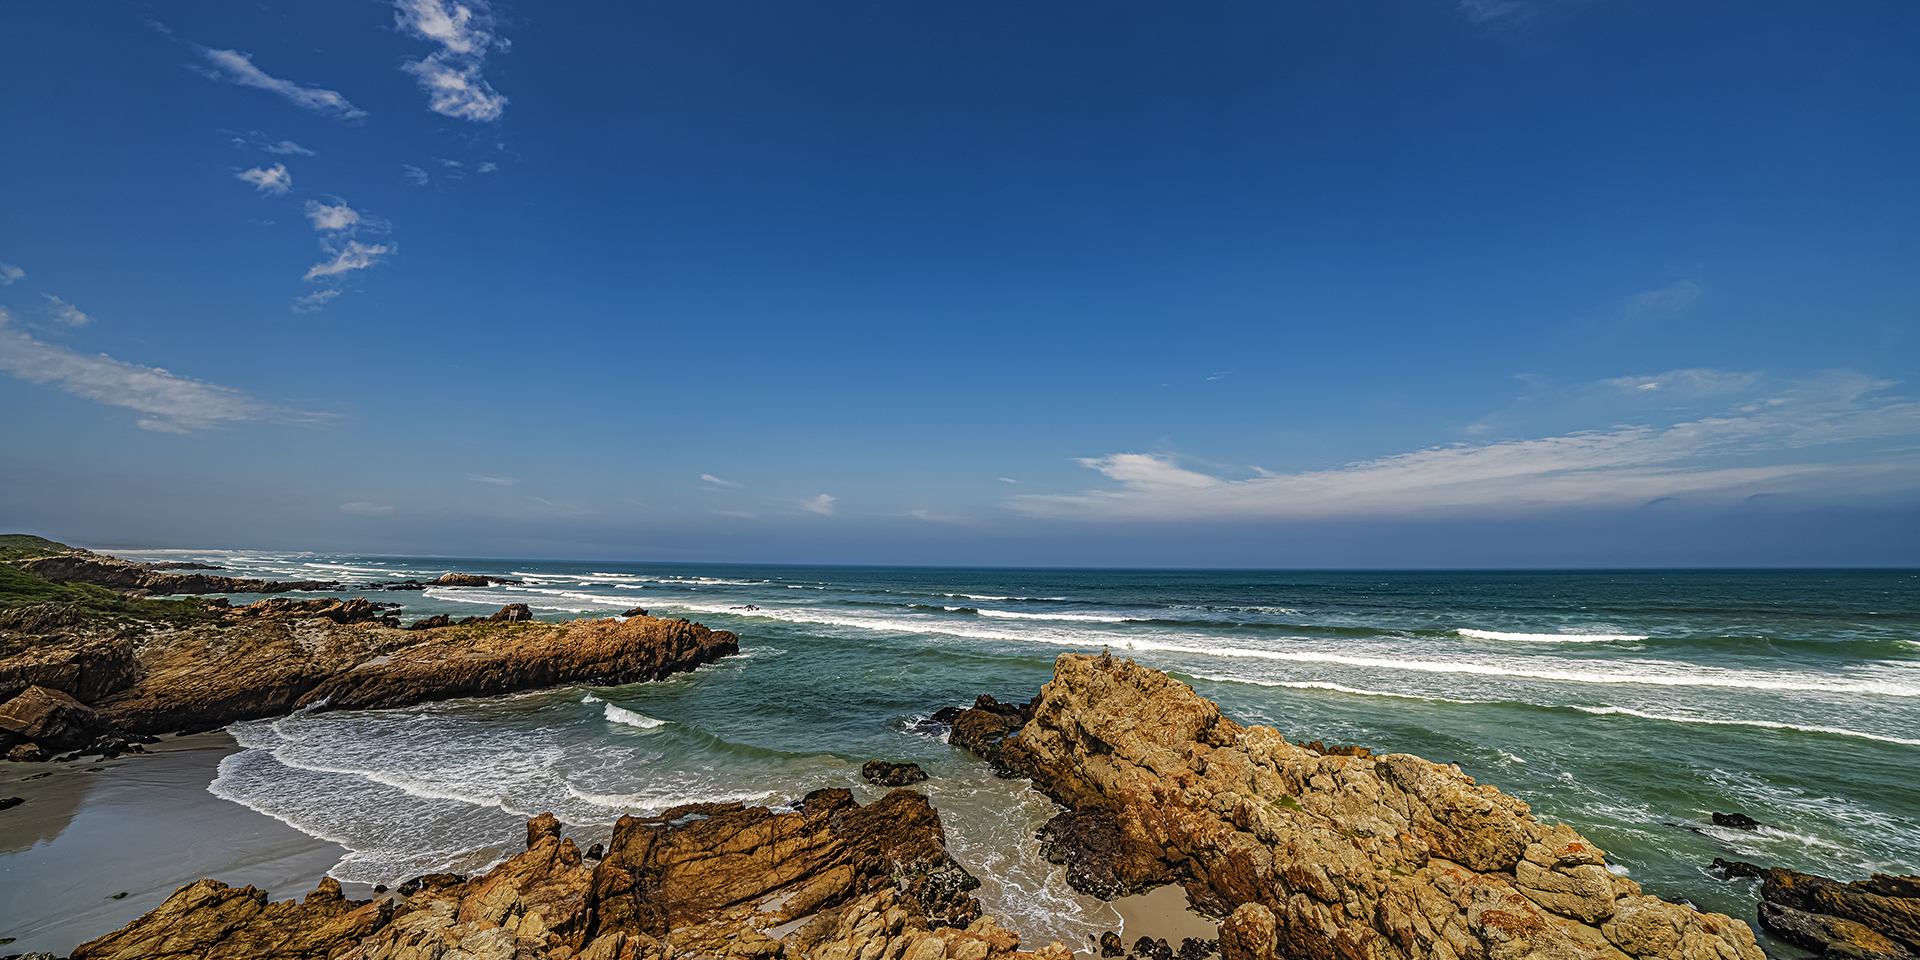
<point x="831" y="881"/>
<point x="208" y="676"/>
<point x="1350" y="857"/>
<point x="1876" y="919"/>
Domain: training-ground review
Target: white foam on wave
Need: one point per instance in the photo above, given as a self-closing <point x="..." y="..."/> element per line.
<point x="1549" y="637"/>
<point x="1082" y="617"/>
<point x="1336" y="687"/>
<point x="1646" y="672"/>
<point x="1768" y="724"/>
<point x="631" y="719"/>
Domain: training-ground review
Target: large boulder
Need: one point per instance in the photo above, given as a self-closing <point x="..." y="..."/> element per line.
<point x="87" y="668"/>
<point x="47" y="717"/>
<point x="1351" y="857"/>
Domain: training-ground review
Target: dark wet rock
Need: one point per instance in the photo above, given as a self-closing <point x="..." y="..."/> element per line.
<point x="887" y="773"/>
<point x="1111" y="945"/>
<point x="1195" y="948"/>
<point x="181" y="565"/>
<point x="1147" y="948"/>
<point x="47" y="717"/>
<point x="1875" y="919"/>
<point x="1089" y="843"/>
<point x="946" y="715"/>
<point x="636" y="612"/>
<point x="27" y="753"/>
<point x="1738" y="821"/>
<point x="9" y="803"/>
<point x="513" y="613"/>
<point x="437" y="620"/>
<point x="984" y="727"/>
<point x="596" y="852"/>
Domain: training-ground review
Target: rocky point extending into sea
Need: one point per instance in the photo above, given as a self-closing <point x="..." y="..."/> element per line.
<point x="1299" y="851"/>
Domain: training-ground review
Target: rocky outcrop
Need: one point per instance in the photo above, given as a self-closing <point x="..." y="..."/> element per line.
<point x="830" y="881"/>
<point x="982" y="727"/>
<point x="1350" y="857"/>
<point x="203" y="677"/>
<point x="47" y="717"/>
<point x="82" y="566"/>
<point x="84" y="667"/>
<point x="460" y="580"/>
<point x="888" y="773"/>
<point x="1877" y="919"/>
<point x="353" y="610"/>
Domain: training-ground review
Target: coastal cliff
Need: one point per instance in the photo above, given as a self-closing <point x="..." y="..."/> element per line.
<point x="1311" y="855"/>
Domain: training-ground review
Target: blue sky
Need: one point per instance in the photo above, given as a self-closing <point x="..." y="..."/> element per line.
<point x="1309" y="283"/>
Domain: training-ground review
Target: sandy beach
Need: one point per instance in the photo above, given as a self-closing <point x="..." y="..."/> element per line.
<point x="98" y="843"/>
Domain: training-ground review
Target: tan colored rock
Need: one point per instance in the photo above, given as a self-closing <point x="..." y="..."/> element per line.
<point x="86" y="668"/>
<point x="206" y="676"/>
<point x="1353" y="856"/>
<point x="47" y="717"/>
<point x="208" y="919"/>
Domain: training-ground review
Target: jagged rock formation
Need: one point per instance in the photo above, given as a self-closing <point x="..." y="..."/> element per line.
<point x="1877" y="919"/>
<point x="47" y="717"/>
<point x="208" y="677"/>
<point x="1316" y="856"/>
<point x="85" y="566"/>
<point x="831" y="881"/>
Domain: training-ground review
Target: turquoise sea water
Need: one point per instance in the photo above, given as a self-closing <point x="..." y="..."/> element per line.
<point x="1630" y="705"/>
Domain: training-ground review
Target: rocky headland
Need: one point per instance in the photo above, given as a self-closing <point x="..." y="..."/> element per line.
<point x="81" y="666"/>
<point x="1308" y="853"/>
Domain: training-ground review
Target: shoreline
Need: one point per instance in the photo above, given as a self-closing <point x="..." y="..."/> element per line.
<point x="142" y="826"/>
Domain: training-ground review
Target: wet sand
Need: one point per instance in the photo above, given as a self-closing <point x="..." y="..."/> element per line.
<point x="136" y="828"/>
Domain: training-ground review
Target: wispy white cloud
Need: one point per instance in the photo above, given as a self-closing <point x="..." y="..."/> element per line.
<point x="742" y="514"/>
<point x="275" y="179"/>
<point x="174" y="404"/>
<point x="451" y="75"/>
<point x="347" y="257"/>
<point x="822" y="505"/>
<point x="9" y="273"/>
<point x="66" y="312"/>
<point x="1668" y="299"/>
<point x="330" y="218"/>
<point x="362" y="508"/>
<point x="236" y="67"/>
<point x="313" y="301"/>
<point x="1501" y="12"/>
<point x="710" y="478"/>
<point x="1787" y="442"/>
<point x="289" y="148"/>
<point x="496" y="481"/>
<point x="1008" y="480"/>
<point x="1691" y="383"/>
<point x="414" y="175"/>
<point x="933" y="517"/>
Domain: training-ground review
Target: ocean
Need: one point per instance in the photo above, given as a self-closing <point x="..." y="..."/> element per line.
<point x="1629" y="705"/>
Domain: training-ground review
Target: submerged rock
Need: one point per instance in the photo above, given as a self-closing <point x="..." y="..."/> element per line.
<point x="1738" y="821"/>
<point x="890" y="774"/>
<point x="1317" y="856"/>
